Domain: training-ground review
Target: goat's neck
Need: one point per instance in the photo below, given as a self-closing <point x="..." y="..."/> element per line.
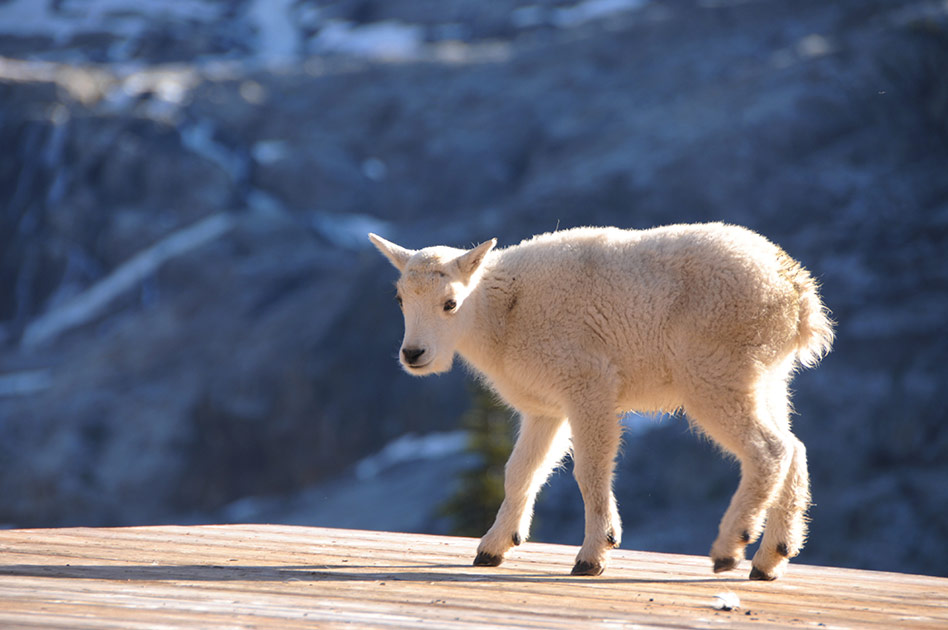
<point x="483" y="345"/>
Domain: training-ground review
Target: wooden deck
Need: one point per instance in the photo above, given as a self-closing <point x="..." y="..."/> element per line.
<point x="266" y="576"/>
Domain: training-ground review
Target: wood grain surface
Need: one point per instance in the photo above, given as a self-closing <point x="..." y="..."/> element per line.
<point x="270" y="576"/>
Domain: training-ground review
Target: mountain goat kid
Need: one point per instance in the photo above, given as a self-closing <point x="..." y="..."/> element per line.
<point x="575" y="327"/>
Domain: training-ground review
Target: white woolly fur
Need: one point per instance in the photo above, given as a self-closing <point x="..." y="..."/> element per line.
<point x="574" y="327"/>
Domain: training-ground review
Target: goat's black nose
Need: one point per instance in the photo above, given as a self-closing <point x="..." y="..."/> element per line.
<point x="412" y="355"/>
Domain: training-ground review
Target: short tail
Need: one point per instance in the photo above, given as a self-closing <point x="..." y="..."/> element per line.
<point x="815" y="328"/>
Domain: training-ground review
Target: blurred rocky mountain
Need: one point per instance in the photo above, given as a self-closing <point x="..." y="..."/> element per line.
<point x="190" y="316"/>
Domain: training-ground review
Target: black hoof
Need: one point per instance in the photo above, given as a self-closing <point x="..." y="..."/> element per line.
<point x="724" y="564"/>
<point x="487" y="560"/>
<point x="757" y="574"/>
<point x="587" y="568"/>
<point x="517" y="540"/>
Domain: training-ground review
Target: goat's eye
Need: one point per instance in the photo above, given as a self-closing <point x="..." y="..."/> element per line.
<point x="398" y="299"/>
<point x="450" y="305"/>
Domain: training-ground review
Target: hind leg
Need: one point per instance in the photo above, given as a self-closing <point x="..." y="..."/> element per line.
<point x="786" y="520"/>
<point x="541" y="445"/>
<point x="765" y="454"/>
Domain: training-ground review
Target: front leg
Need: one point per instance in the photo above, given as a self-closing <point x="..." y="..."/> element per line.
<point x="541" y="445"/>
<point x="595" y="446"/>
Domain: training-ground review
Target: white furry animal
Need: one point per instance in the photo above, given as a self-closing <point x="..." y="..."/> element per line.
<point x="575" y="327"/>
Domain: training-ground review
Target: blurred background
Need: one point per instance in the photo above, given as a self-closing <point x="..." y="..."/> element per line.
<point x="194" y="328"/>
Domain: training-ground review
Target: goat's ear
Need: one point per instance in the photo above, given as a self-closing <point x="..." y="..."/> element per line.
<point x="396" y="254"/>
<point x="469" y="261"/>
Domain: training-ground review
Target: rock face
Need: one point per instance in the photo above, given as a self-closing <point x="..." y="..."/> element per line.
<point x="150" y="370"/>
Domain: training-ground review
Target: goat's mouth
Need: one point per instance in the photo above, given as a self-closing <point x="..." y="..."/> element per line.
<point x="415" y="367"/>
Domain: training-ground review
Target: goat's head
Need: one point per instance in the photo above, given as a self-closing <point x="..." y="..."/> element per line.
<point x="434" y="285"/>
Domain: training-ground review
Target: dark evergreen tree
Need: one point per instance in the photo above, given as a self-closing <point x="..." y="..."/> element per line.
<point x="471" y="509"/>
